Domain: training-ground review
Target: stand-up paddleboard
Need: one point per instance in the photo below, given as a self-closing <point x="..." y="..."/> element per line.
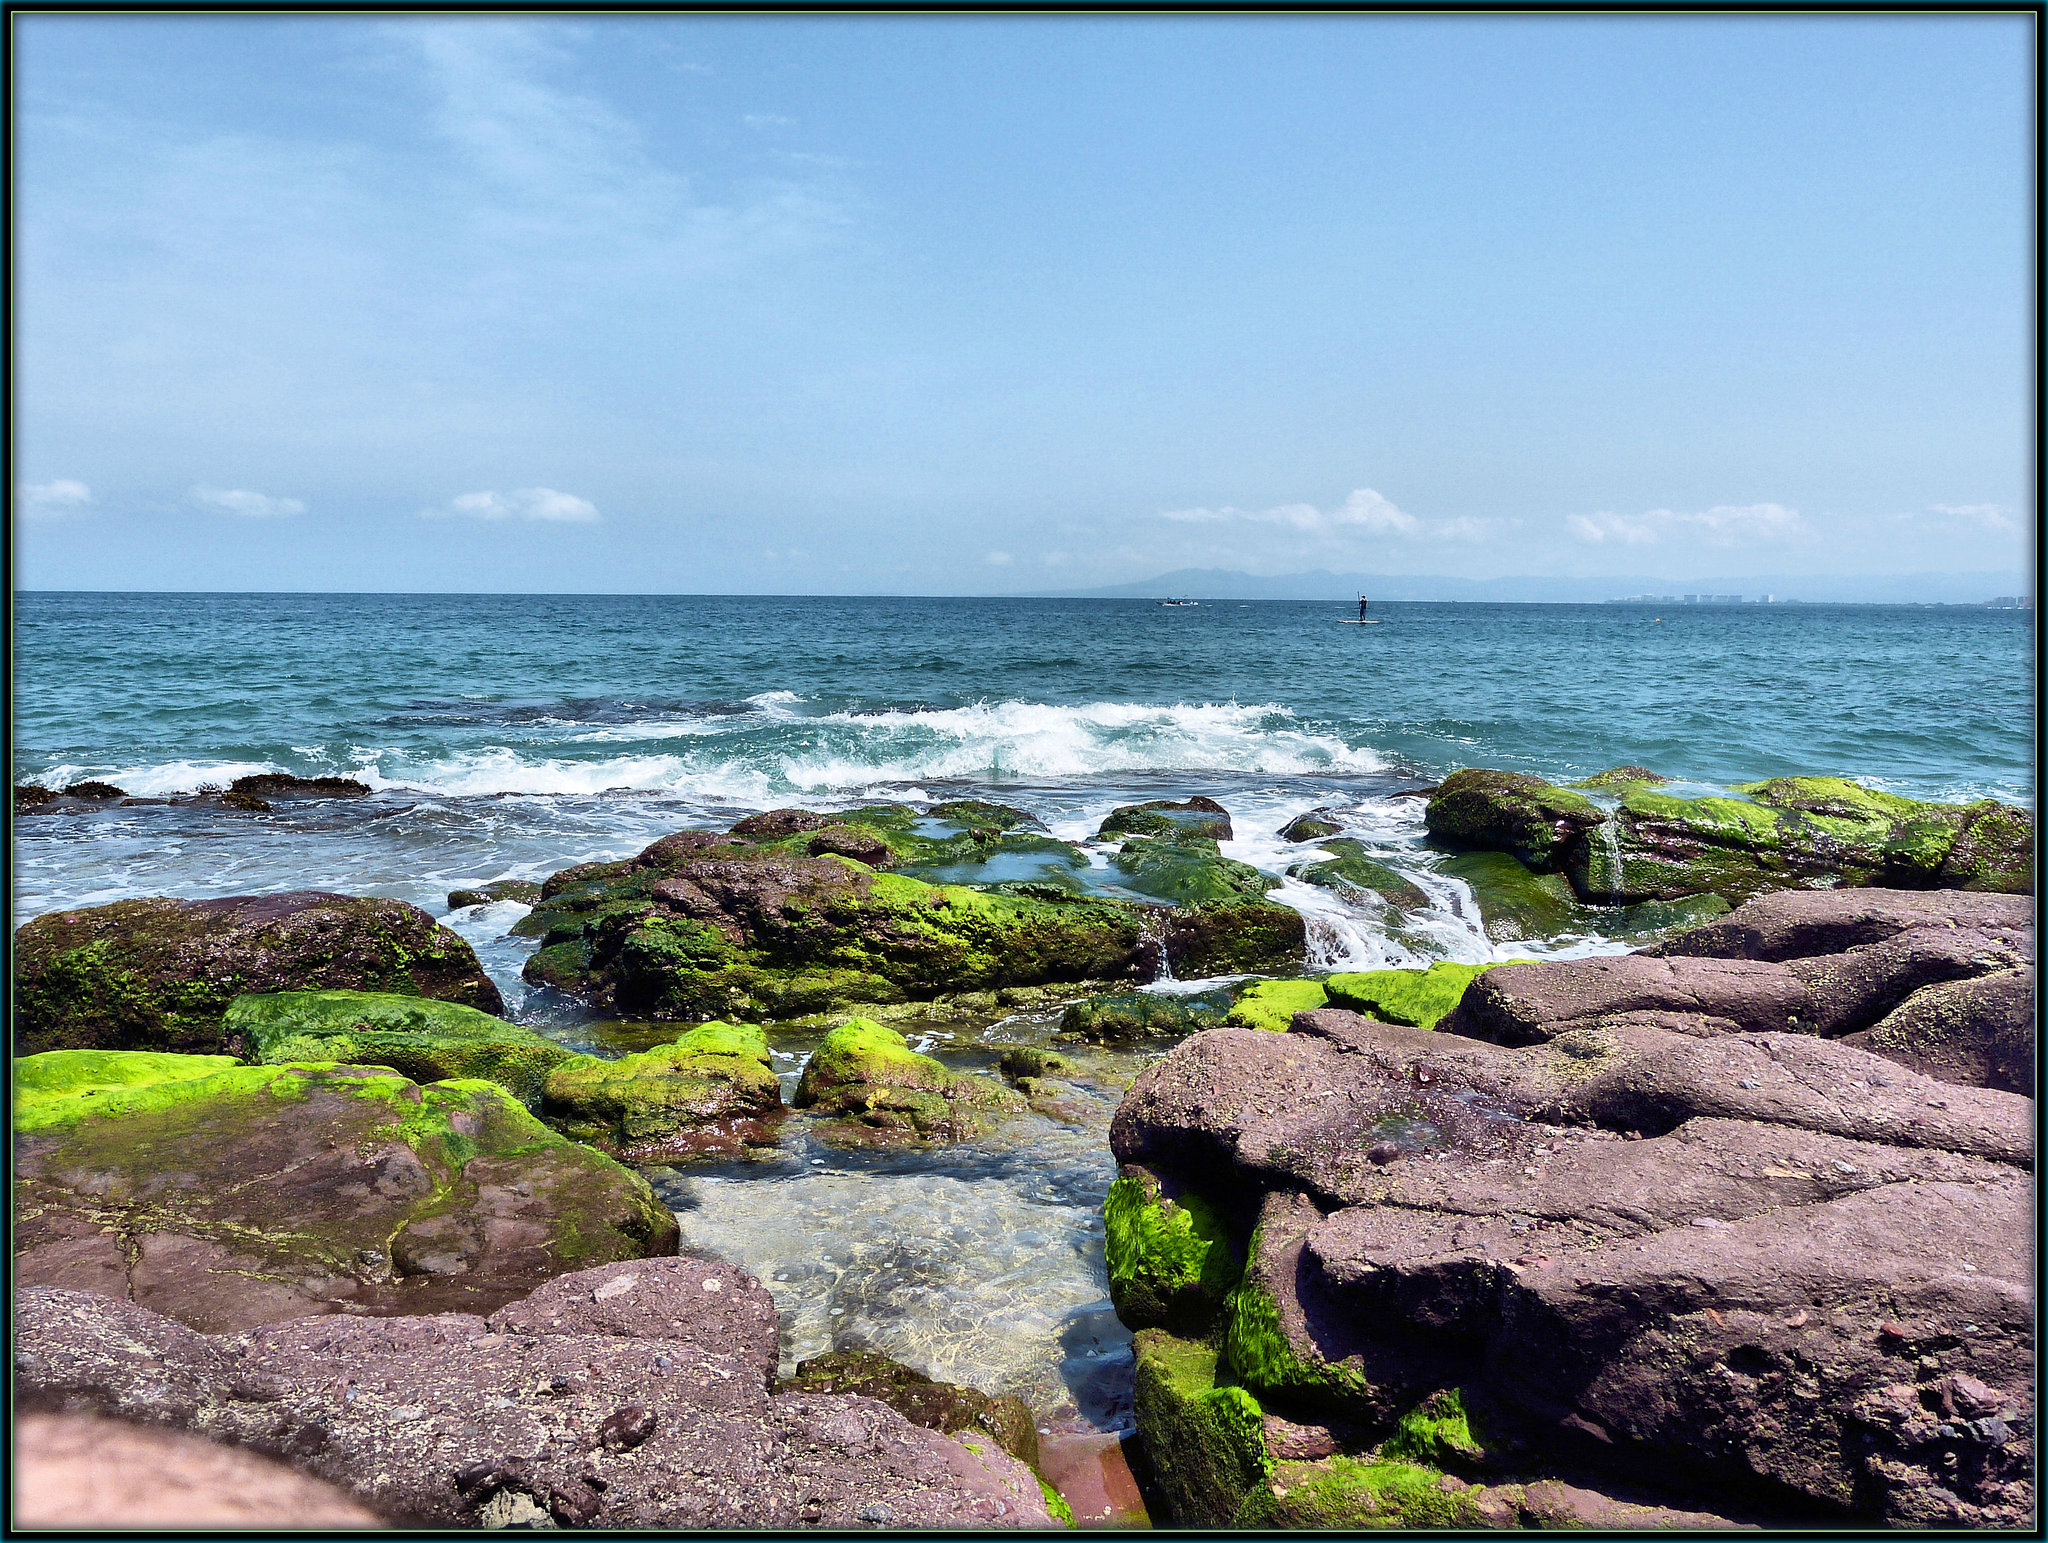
<point x="1345" y="621"/>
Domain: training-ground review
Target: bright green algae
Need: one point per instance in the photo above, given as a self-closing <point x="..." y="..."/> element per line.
<point x="1272" y="1004"/>
<point x="62" y="1087"/>
<point x="1170" y="1261"/>
<point x="428" y="1041"/>
<point x="874" y="1089"/>
<point x="712" y="1089"/>
<point x="1418" y="998"/>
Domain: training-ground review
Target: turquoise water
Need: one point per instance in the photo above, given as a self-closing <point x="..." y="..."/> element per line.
<point x="512" y="736"/>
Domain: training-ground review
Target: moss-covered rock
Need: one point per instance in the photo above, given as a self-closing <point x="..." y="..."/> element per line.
<point x="1377" y="1493"/>
<point x="1206" y="1443"/>
<point x="268" y="785"/>
<point x="703" y="924"/>
<point x="943" y="1406"/>
<point x="1187" y="871"/>
<point x="1355" y="868"/>
<point x="524" y="891"/>
<point x="1782" y="833"/>
<point x="159" y="974"/>
<point x="1191" y="819"/>
<point x="1272" y="1004"/>
<point x="1313" y="826"/>
<point x="227" y="1195"/>
<point x="875" y="1090"/>
<point x="1500" y="811"/>
<point x="1233" y="938"/>
<point x="1170" y="1257"/>
<point x="1515" y="903"/>
<point x="1029" y="1061"/>
<point x="1127" y="1015"/>
<point x="712" y="1091"/>
<point x="1418" y="998"/>
<point x="425" y="1040"/>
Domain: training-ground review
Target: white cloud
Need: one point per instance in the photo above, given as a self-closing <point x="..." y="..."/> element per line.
<point x="249" y="505"/>
<point x="1724" y="525"/>
<point x="1365" y="510"/>
<point x="520" y="504"/>
<point x="999" y="559"/>
<point x="1990" y="516"/>
<point x="48" y="499"/>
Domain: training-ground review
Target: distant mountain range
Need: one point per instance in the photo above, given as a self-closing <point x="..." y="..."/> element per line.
<point x="1903" y="588"/>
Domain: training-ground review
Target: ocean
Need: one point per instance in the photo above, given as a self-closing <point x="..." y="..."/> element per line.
<point x="510" y="736"/>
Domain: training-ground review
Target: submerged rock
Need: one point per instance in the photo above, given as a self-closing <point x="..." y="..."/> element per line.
<point x="1355" y="868"/>
<point x="631" y="1397"/>
<point x="228" y="1196"/>
<point x="1656" y="1232"/>
<point x="1127" y="1015"/>
<point x="524" y="891"/>
<point x="1191" y="819"/>
<point x="878" y="1091"/>
<point x="159" y="974"/>
<point x="1313" y="826"/>
<point x="963" y="1412"/>
<point x="425" y="1040"/>
<point x="283" y="785"/>
<point x="714" y="1090"/>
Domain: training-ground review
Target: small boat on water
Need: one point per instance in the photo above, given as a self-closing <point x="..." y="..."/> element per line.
<point x="1181" y="601"/>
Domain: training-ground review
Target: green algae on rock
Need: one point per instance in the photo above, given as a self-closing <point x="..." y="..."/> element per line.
<point x="524" y="891"/>
<point x="228" y="1196"/>
<point x="942" y="1406"/>
<point x="753" y="924"/>
<point x="1272" y="1004"/>
<point x="1781" y="833"/>
<point x="1312" y="826"/>
<point x="158" y="974"/>
<point x="1620" y="777"/>
<point x="1190" y="819"/>
<point x="1355" y="868"/>
<point x="713" y="1090"/>
<point x="1187" y="870"/>
<point x="1418" y="998"/>
<point x="1206" y="1442"/>
<point x="1170" y="1259"/>
<point x="1503" y="811"/>
<point x="425" y="1040"/>
<point x="875" y="1090"/>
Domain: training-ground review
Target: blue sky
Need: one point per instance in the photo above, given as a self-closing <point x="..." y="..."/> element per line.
<point x="968" y="305"/>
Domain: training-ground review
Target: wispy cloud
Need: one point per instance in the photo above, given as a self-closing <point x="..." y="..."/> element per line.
<point x="47" y="500"/>
<point x="249" y="505"/>
<point x="1724" y="525"/>
<point x="520" y="504"/>
<point x="1365" y="512"/>
<point x="1989" y="516"/>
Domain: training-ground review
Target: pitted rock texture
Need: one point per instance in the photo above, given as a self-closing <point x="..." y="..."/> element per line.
<point x="158" y="974"/>
<point x="448" y="1420"/>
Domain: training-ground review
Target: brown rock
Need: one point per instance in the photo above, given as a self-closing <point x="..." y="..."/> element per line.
<point x="444" y="1421"/>
<point x="1802" y="923"/>
<point x="1979" y="1032"/>
<point x="860" y="845"/>
<point x="1518" y="1004"/>
<point x="781" y="822"/>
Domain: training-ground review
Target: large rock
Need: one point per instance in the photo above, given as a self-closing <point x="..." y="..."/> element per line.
<point x="1193" y="818"/>
<point x="942" y="1406"/>
<point x="426" y="1040"/>
<point x="1784" y="833"/>
<point x="228" y="1196"/>
<point x="771" y="921"/>
<point x="712" y="1091"/>
<point x="634" y="1397"/>
<point x="158" y="974"/>
<point x="1654" y="1233"/>
<point x="1804" y="924"/>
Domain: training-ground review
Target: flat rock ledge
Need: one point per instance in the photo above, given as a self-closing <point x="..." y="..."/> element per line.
<point x="1683" y="1214"/>
<point x="633" y="1395"/>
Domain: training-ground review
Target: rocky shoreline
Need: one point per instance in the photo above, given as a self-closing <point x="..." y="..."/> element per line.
<point x="264" y="1133"/>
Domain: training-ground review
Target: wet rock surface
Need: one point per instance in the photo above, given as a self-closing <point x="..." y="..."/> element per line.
<point x="632" y="1397"/>
<point x="1646" y="1225"/>
<point x="940" y="1406"/>
<point x="229" y="1196"/>
<point x="158" y="974"/>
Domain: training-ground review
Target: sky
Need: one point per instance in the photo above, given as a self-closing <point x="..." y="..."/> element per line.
<point x="1004" y="305"/>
